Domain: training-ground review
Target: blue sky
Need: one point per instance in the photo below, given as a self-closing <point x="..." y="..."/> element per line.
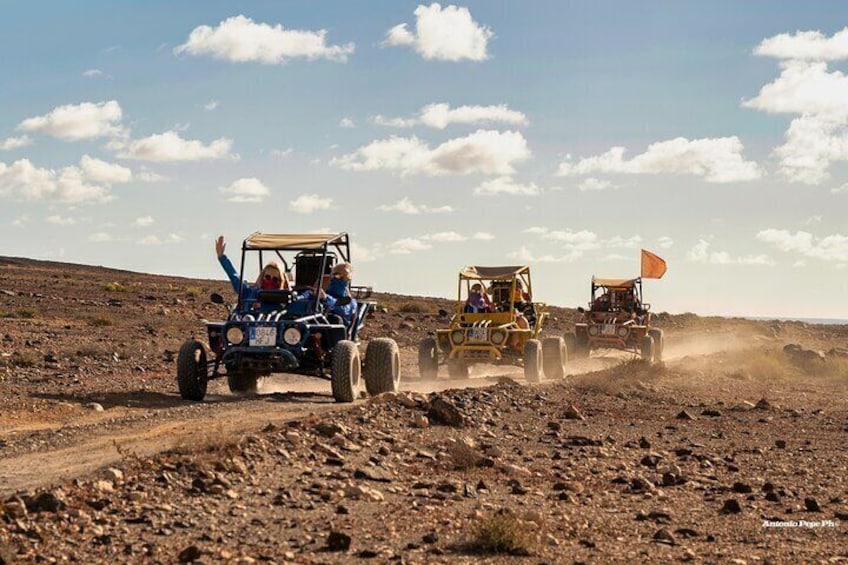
<point x="565" y="135"/>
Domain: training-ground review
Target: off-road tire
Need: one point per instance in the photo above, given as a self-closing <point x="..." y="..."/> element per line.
<point x="243" y="384"/>
<point x="659" y="343"/>
<point x="191" y="370"/>
<point x="555" y="357"/>
<point x="533" y="361"/>
<point x="382" y="366"/>
<point x="648" y="349"/>
<point x="346" y="371"/>
<point x="428" y="359"/>
<point x="580" y="349"/>
<point x="457" y="369"/>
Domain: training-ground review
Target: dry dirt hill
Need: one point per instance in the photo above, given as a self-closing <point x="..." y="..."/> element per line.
<point x="731" y="451"/>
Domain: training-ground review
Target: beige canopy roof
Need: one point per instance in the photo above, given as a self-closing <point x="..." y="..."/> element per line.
<point x="492" y="273"/>
<point x="615" y="283"/>
<point x="291" y="241"/>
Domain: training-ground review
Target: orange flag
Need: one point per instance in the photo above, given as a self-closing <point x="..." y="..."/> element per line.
<point x="653" y="267"/>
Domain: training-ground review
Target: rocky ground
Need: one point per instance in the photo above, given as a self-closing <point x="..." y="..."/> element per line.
<point x="732" y="451"/>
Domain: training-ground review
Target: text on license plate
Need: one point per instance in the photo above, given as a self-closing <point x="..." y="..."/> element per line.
<point x="477" y="334"/>
<point x="263" y="336"/>
<point x="608" y="329"/>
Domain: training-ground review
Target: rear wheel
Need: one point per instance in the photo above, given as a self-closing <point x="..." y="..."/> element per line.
<point x="191" y="370"/>
<point x="554" y="356"/>
<point x="648" y="348"/>
<point x="346" y="370"/>
<point x="382" y="366"/>
<point x="457" y="369"/>
<point x="428" y="359"/>
<point x="659" y="343"/>
<point x="243" y="384"/>
<point x="533" y="361"/>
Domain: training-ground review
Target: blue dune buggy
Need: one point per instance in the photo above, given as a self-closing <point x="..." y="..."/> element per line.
<point x="293" y="331"/>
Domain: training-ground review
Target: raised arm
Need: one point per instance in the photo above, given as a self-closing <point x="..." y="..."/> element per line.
<point x="225" y="262"/>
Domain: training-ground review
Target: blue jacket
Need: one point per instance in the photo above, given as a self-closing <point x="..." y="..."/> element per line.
<point x="249" y="292"/>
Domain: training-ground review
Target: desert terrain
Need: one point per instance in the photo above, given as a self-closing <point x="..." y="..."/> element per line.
<point x="731" y="451"/>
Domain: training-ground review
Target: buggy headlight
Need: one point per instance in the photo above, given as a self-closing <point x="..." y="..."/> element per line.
<point x="235" y="335"/>
<point x="622" y="332"/>
<point x="593" y="330"/>
<point x="292" y="336"/>
<point x="457" y="336"/>
<point x="498" y="337"/>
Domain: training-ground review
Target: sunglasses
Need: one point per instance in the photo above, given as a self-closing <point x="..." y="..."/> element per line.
<point x="272" y="278"/>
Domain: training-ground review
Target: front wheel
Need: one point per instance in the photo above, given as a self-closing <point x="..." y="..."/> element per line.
<point x="191" y="370"/>
<point x="428" y="359"/>
<point x="346" y="369"/>
<point x="555" y="357"/>
<point x="648" y="348"/>
<point x="533" y="361"/>
<point x="382" y="366"/>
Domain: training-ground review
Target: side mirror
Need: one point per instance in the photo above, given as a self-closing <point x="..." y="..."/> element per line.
<point x="442" y="312"/>
<point x="216" y="298"/>
<point x="581" y="309"/>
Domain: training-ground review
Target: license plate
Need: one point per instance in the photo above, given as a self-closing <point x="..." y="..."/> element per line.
<point x="477" y="334"/>
<point x="608" y="329"/>
<point x="263" y="336"/>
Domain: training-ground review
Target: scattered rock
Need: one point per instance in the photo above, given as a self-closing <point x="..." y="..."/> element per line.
<point x="189" y="554"/>
<point x="684" y="415"/>
<point x="763" y="404"/>
<point x="444" y="412"/>
<point x="97" y="407"/>
<point x="664" y="536"/>
<point x="812" y="505"/>
<point x="711" y="413"/>
<point x="731" y="506"/>
<point x="338" y="541"/>
<point x="572" y="413"/>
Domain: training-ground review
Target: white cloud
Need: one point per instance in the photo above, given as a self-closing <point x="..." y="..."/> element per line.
<point x="665" y="242"/>
<point x="505" y="185"/>
<point x="524" y="255"/>
<point x="806" y="45"/>
<point x="840" y="189"/>
<point x="448" y="34"/>
<point x="407" y="206"/>
<point x="717" y="160"/>
<point x="175" y="238"/>
<point x="583" y="239"/>
<point x="445" y="236"/>
<point x="101" y="171"/>
<point x="282" y="153"/>
<point x="144" y="221"/>
<point x="169" y="146"/>
<point x="211" y="105"/>
<point x="246" y="190"/>
<point x="483" y="236"/>
<point x="308" y="203"/>
<point x="362" y="254"/>
<point x="700" y="253"/>
<point x="149" y="240"/>
<point x="91" y="73"/>
<point x="20" y="221"/>
<point x="407" y="245"/>
<point x="346" y="123"/>
<point x="146" y="175"/>
<point x="15" y="142"/>
<point x="632" y="242"/>
<point x="75" y="122"/>
<point x="60" y="220"/>
<point x="69" y="185"/>
<point x="832" y="248"/>
<point x="239" y="39"/>
<point x="440" y="116"/>
<point x="100" y="237"/>
<point x="592" y="184"/>
<point x="484" y="151"/>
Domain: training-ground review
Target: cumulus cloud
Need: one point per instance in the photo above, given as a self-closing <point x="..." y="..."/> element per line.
<point x="346" y="123"/>
<point x="239" y="40"/>
<point x="149" y="240"/>
<point x="483" y="236"/>
<point x="717" y="160"/>
<point x="362" y="254"/>
<point x="440" y="116"/>
<point x="665" y="242"/>
<point x="484" y="151"/>
<point x="505" y="185"/>
<point x="829" y="248"/>
<point x="815" y="94"/>
<point x="100" y="237"/>
<point x="211" y="105"/>
<point x="15" y="142"/>
<point x="593" y="184"/>
<point x="308" y="203"/>
<point x="74" y="122"/>
<point x="60" y="220"/>
<point x="407" y="206"/>
<point x="525" y="255"/>
<point x="144" y="221"/>
<point x="448" y="34"/>
<point x="91" y="73"/>
<point x="246" y="190"/>
<point x="701" y="253"/>
<point x="407" y="245"/>
<point x="89" y="182"/>
<point x="146" y="175"/>
<point x="445" y="236"/>
<point x="282" y="153"/>
<point x="169" y="146"/>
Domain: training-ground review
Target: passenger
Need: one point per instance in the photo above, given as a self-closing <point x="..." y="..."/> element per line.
<point x="339" y="287"/>
<point x="478" y="300"/>
<point x="515" y="340"/>
<point x="270" y="278"/>
<point x="601" y="303"/>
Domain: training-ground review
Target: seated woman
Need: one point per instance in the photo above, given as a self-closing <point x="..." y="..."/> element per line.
<point x="478" y="300"/>
<point x="270" y="278"/>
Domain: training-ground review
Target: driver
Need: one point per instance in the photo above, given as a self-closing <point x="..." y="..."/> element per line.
<point x="270" y="278"/>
